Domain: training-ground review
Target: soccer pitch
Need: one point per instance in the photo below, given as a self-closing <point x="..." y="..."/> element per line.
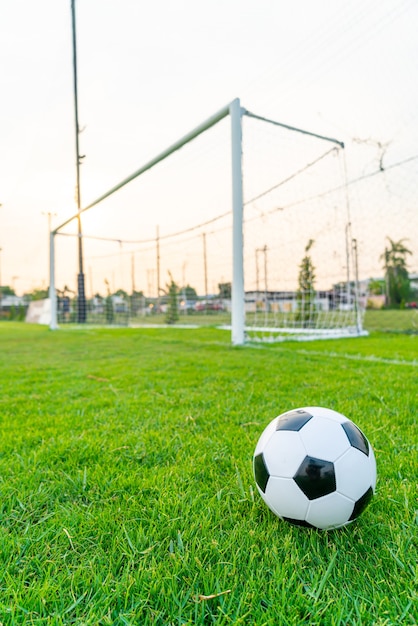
<point x="127" y="494"/>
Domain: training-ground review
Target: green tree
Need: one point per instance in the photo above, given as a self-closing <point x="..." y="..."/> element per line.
<point x="20" y="313"/>
<point x="225" y="290"/>
<point x="109" y="312"/>
<point x="189" y="292"/>
<point x="7" y="291"/>
<point x="172" y="291"/>
<point x="121" y="293"/>
<point x="306" y="292"/>
<point x="376" y="287"/>
<point x="136" y="301"/>
<point x="394" y="259"/>
<point x="38" y="294"/>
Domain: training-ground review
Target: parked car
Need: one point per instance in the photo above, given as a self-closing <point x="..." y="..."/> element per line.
<point x="204" y="305"/>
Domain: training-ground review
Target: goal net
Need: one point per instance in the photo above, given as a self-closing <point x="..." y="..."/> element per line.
<point x="244" y="223"/>
<point x="301" y="259"/>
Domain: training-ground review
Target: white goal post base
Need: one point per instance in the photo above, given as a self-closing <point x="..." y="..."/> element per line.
<point x="300" y="334"/>
<point x="274" y="335"/>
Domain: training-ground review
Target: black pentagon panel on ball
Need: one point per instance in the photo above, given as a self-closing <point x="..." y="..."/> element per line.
<point x="298" y="522"/>
<point x="356" y="437"/>
<point x="260" y="472"/>
<point x="293" y="420"/>
<point x="315" y="477"/>
<point x="361" y="504"/>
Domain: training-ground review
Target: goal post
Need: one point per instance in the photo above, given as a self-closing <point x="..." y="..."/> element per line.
<point x="238" y="291"/>
<point x="52" y="291"/>
<point x="281" y="197"/>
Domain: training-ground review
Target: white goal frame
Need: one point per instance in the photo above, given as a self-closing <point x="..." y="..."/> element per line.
<point x="235" y="112"/>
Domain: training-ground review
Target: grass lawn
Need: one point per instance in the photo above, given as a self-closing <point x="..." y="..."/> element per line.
<point x="405" y="320"/>
<point x="127" y="494"/>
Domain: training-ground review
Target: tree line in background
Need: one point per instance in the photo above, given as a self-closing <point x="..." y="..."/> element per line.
<point x="397" y="283"/>
<point x="395" y="286"/>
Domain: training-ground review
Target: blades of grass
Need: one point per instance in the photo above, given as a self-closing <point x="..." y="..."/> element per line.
<point x="76" y="603"/>
<point x="325" y="577"/>
<point x="69" y="538"/>
<point x="128" y="539"/>
<point x="180" y="542"/>
<point x="240" y="484"/>
<point x="405" y="611"/>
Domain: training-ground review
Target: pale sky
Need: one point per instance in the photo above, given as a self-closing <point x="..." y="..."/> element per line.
<point x="151" y="71"/>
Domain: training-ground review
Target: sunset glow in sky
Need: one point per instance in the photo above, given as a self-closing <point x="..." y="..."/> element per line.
<point x="151" y="71"/>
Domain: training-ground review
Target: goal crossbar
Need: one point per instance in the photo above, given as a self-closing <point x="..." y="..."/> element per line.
<point x="293" y="128"/>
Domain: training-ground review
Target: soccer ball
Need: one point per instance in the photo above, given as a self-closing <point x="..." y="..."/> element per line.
<point x="314" y="467"/>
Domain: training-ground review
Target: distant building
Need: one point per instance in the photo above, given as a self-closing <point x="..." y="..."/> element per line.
<point x="9" y="302"/>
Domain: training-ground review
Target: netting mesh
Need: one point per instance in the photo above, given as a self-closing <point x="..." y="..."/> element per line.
<point x="296" y="199"/>
<point x="171" y="224"/>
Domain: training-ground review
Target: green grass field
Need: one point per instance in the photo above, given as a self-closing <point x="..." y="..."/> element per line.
<point x="127" y="494"/>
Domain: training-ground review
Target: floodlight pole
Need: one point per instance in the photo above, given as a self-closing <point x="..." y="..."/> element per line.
<point x="359" y="323"/>
<point x="238" y="293"/>
<point x="205" y="269"/>
<point x="81" y="300"/>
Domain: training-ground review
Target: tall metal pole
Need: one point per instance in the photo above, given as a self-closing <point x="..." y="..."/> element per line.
<point x="133" y="273"/>
<point x="357" y="289"/>
<point x="257" y="272"/>
<point x="205" y="269"/>
<point x="265" y="277"/>
<point x="81" y="303"/>
<point x="347" y="253"/>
